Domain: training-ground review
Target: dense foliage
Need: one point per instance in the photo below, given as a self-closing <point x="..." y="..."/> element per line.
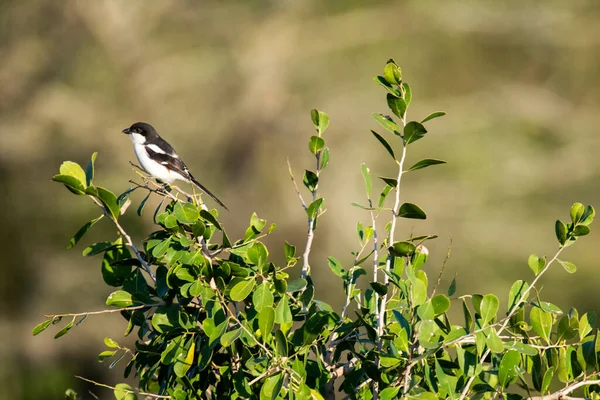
<point x="215" y="317"/>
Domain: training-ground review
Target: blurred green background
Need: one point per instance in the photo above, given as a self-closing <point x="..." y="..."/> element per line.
<point x="231" y="84"/>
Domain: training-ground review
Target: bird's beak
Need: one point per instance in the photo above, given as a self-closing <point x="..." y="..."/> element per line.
<point x="126" y="131"/>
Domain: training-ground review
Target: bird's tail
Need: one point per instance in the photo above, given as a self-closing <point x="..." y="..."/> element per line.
<point x="205" y="190"/>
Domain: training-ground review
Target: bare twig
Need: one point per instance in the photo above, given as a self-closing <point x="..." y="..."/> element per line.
<point x="439" y="279"/>
<point x="152" y="395"/>
<point x="103" y="311"/>
<point x="296" y="185"/>
<point x="562" y="394"/>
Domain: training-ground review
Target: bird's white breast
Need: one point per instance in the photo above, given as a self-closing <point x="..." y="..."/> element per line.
<point x="152" y="167"/>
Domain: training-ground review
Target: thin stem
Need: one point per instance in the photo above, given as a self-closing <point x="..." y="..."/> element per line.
<point x="103" y="311"/>
<point x="388" y="261"/>
<point x="562" y="394"/>
<point x="156" y="396"/>
<point x="439" y="279"/>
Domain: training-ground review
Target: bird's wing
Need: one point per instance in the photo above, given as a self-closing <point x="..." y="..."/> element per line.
<point x="173" y="163"/>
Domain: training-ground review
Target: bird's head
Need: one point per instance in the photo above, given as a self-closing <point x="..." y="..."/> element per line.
<point x="140" y="132"/>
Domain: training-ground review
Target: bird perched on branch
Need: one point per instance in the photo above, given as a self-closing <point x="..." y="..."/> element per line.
<point x="159" y="159"/>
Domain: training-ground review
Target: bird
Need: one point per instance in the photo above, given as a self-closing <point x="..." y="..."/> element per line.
<point x="159" y="159"/>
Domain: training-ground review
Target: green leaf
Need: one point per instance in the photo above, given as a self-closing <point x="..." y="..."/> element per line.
<point x="386" y="122"/>
<point x="383" y="82"/>
<point x="316" y="144"/>
<point x="64" y="330"/>
<point x="283" y="314"/>
<point x="124" y="392"/>
<point x="72" y="183"/>
<point x="242" y="289"/>
<point x="522" y="348"/>
<point x="258" y="254"/>
<point x="143" y="204"/>
<point x="494" y="342"/>
<point x="290" y="251"/>
<point x="367" y="178"/>
<point x="586" y="324"/>
<point x="547" y="380"/>
<point x="561" y="232"/>
<point x="489" y="308"/>
<point x="389" y="393"/>
<point x="185" y="358"/>
<point x="391" y="182"/>
<point x="440" y="303"/>
<point x="568" y="266"/>
<point x="296" y="285"/>
<point x="392" y="73"/>
<point x="397" y="105"/>
<point x="402" y="249"/>
<point x="106" y="354"/>
<point x="506" y="371"/>
<point x="414" y="131"/>
<point x="262" y="297"/>
<point x="41" y="327"/>
<point x="311" y="180"/>
<point x="70" y="168"/>
<point x="541" y="322"/>
<point x="536" y="263"/>
<point x="89" y="171"/>
<point x="230" y="337"/>
<point x="426" y="163"/>
<point x="111" y="343"/>
<point x="336" y="266"/>
<point x="170" y="221"/>
<point x="433" y="115"/>
<point x="266" y="321"/>
<point x="313" y="208"/>
<point x="384" y="143"/>
<point x="577" y="211"/>
<point x="425" y="311"/>
<point x="81" y="232"/>
<point x="109" y="200"/>
<point x="324" y="158"/>
<point x="516" y="292"/>
<point x="271" y="388"/>
<point x="407" y="93"/>
<point x="320" y="120"/>
<point x="97" y="248"/>
<point x="120" y="299"/>
<point x="422" y="396"/>
<point x="588" y="215"/>
<point x="409" y="210"/>
<point x="452" y="288"/>
<point x="581" y="230"/>
<point x="384" y="193"/>
<point x="380" y="288"/>
<point x="281" y="344"/>
<point x="161" y="249"/>
<point x="210" y="218"/>
<point x="186" y="213"/>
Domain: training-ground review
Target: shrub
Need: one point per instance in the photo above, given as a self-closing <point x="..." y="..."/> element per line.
<point x="215" y="317"/>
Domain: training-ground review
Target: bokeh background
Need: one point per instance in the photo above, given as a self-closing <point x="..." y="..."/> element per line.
<point x="231" y="84"/>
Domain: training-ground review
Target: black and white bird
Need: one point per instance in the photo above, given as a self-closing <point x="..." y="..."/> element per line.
<point x="159" y="159"/>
